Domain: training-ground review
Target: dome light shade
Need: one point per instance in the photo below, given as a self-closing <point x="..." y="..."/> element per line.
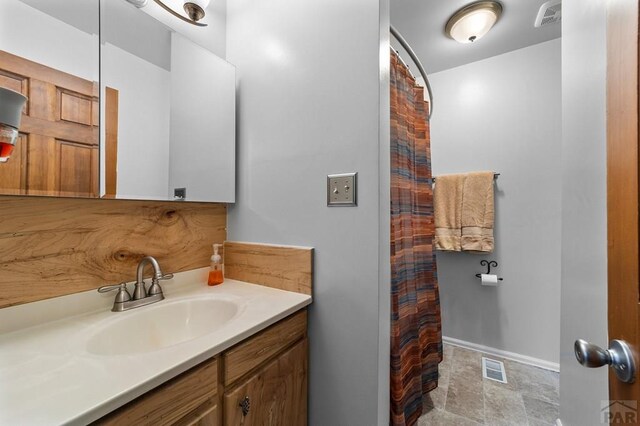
<point x="473" y="21"/>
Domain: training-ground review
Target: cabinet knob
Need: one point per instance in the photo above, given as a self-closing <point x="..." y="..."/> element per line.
<point x="245" y="405"/>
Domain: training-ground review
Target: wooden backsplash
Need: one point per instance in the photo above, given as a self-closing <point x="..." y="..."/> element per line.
<point x="283" y="267"/>
<point x="54" y="246"/>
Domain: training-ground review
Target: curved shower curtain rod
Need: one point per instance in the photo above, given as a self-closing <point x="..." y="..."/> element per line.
<point x="415" y="59"/>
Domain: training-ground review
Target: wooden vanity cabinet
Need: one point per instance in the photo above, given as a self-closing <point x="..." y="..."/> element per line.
<point x="260" y="381"/>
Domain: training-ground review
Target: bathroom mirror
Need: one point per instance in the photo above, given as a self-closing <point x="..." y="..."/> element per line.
<point x="123" y="103"/>
<point x="49" y="53"/>
<point x="168" y="108"/>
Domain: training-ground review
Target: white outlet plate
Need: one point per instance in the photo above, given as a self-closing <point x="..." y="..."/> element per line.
<point x="342" y="190"/>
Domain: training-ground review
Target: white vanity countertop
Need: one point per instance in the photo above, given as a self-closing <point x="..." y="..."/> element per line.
<point x="47" y="375"/>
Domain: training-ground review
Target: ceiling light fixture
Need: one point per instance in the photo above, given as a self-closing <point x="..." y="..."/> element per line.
<point x="195" y="10"/>
<point x="473" y="21"/>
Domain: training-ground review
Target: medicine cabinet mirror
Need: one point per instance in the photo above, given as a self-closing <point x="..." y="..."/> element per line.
<point x="123" y="103"/>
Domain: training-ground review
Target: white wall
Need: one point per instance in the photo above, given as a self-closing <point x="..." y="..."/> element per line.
<point x="309" y="105"/>
<point x="212" y="37"/>
<point x="217" y="36"/>
<point x="34" y="35"/>
<point x="144" y="103"/>
<point x="584" y="215"/>
<point x="203" y="123"/>
<point x="125" y="26"/>
<point x="384" y="220"/>
<point x="504" y="114"/>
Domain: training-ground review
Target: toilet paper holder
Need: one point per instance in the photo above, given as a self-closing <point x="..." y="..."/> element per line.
<point x="488" y="264"/>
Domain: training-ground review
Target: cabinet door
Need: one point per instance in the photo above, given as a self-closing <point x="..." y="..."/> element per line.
<point x="275" y="396"/>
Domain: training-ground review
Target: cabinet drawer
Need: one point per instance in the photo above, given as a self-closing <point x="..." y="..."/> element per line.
<point x="171" y="401"/>
<point x="276" y="395"/>
<point x="207" y="415"/>
<point x="247" y="355"/>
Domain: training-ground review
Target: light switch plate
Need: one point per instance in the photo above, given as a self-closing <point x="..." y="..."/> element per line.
<point x="342" y="190"/>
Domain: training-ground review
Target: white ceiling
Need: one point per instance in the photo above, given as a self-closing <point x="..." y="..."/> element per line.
<point x="422" y="23"/>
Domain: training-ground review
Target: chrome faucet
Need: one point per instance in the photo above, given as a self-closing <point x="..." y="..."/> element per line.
<point x="141" y="296"/>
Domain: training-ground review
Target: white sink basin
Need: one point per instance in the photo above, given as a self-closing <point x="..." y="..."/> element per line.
<point x="154" y="327"/>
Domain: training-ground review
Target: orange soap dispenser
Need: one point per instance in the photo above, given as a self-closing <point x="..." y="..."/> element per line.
<point x="215" y="273"/>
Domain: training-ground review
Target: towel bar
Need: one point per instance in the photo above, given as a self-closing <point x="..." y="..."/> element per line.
<point x="495" y="176"/>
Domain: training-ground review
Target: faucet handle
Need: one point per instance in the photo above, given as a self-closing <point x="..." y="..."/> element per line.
<point x="123" y="294"/>
<point x="155" y="285"/>
<point x="107" y="288"/>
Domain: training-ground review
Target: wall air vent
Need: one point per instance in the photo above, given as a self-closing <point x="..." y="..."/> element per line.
<point x="549" y="13"/>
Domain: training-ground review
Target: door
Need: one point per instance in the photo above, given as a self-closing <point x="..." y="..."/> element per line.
<point x="13" y="173"/>
<point x="57" y="152"/>
<point x="622" y="191"/>
<point x="622" y="218"/>
<point x="111" y="142"/>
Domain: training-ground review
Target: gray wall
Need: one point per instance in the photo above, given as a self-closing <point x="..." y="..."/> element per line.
<point x="144" y="107"/>
<point x="212" y="37"/>
<point x="584" y="226"/>
<point x="309" y="105"/>
<point x="37" y="36"/>
<point x="384" y="238"/>
<point x="202" y="155"/>
<point x="504" y="114"/>
<point x="216" y="39"/>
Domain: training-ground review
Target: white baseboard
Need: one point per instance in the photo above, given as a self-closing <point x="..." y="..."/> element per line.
<point x="524" y="359"/>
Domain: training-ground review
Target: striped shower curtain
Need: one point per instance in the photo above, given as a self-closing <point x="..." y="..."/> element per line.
<point x="416" y="337"/>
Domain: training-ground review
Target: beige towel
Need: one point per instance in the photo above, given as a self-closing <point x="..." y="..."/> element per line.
<point x="477" y="212"/>
<point x="447" y="200"/>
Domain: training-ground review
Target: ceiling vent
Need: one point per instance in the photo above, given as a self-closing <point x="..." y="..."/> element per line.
<point x="549" y="13"/>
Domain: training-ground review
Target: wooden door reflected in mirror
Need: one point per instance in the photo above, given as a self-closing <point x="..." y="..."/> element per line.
<point x="57" y="152"/>
<point x="52" y="57"/>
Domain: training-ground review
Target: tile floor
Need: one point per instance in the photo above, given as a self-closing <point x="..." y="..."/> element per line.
<point x="464" y="397"/>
